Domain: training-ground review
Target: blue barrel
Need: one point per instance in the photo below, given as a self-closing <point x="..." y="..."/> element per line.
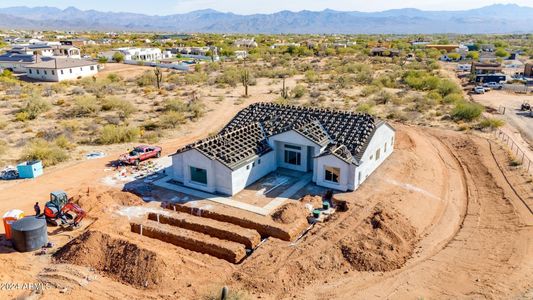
<point x="29" y="234"/>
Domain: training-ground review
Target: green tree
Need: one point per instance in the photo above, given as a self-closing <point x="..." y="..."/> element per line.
<point x="473" y="55"/>
<point x="500" y="52"/>
<point x="118" y="57"/>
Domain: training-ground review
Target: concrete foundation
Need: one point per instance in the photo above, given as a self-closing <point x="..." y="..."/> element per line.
<point x="191" y="240"/>
<point x="264" y="227"/>
<point x="224" y="231"/>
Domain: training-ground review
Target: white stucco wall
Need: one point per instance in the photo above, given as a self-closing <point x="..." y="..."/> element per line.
<point x="346" y="173"/>
<point x="61" y="74"/>
<point x="249" y="174"/>
<point x="383" y="135"/>
<point x="295" y="139"/>
<point x="193" y="158"/>
<point x="17" y="67"/>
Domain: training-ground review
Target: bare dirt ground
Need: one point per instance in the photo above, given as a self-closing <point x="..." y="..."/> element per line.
<point x="444" y="217"/>
<point x="511" y="102"/>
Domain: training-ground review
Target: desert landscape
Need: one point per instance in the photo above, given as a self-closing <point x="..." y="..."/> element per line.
<point x="264" y="166"/>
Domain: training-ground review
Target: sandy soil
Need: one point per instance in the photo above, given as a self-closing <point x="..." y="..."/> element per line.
<point x="444" y="217"/>
<point x="511" y="102"/>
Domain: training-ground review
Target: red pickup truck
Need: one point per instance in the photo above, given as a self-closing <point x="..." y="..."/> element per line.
<point x="140" y="153"/>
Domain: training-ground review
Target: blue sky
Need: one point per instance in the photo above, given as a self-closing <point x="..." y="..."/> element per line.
<point x="165" y="7"/>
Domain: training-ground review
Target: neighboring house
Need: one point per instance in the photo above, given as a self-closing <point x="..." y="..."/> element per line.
<point x="447" y="48"/>
<point x="245" y="43"/>
<point x="464" y="67"/>
<point x="77" y="42"/>
<point x="278" y="45"/>
<point x="42" y="49"/>
<point x="60" y="69"/>
<point x="479" y="68"/>
<point x="487" y="48"/>
<point x="241" y="54"/>
<point x="45" y="50"/>
<point x="341" y="149"/>
<point x="382" y="51"/>
<point x="16" y="62"/>
<point x="138" y="54"/>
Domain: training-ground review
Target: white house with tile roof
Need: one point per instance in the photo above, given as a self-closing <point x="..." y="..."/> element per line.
<point x="341" y="149"/>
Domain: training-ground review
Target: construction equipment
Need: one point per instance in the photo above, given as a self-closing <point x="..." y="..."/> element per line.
<point x="61" y="211"/>
<point x="525" y="106"/>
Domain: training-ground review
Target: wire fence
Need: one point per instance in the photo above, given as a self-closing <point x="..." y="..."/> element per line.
<point x="521" y="158"/>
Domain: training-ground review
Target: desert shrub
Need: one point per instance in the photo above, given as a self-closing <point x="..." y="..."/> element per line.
<point x="146" y="79"/>
<point x="365" y="107"/>
<point x="466" y="111"/>
<point x="123" y="107"/>
<point x="114" y="77"/>
<point x="64" y="143"/>
<point x="298" y="91"/>
<point x="385" y="80"/>
<point x="383" y="97"/>
<point x="311" y="76"/>
<point x="113" y="134"/>
<point x="85" y="106"/>
<point x="196" y="78"/>
<point x="22" y="116"/>
<point x="49" y="153"/>
<point x="70" y="125"/>
<point x="196" y="109"/>
<point x="35" y="106"/>
<point x="453" y="98"/>
<point x="174" y="105"/>
<point x="171" y="119"/>
<point x="447" y="87"/>
<point x="491" y="123"/>
<point x="230" y="76"/>
<point x="369" y="90"/>
<point x="421" y="80"/>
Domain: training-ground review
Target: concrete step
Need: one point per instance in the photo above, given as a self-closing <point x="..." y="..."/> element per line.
<point x="192" y="240"/>
<point x="222" y="230"/>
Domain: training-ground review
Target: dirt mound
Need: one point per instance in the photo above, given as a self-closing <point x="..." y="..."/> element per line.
<point x="290" y="213"/>
<point x="383" y="242"/>
<point x="315" y="201"/>
<point x="117" y="258"/>
<point x="96" y="201"/>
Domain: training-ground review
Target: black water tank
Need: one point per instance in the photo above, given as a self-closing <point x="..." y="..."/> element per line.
<point x="29" y="234"/>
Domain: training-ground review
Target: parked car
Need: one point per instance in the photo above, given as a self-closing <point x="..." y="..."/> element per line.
<point x="140" y="153"/>
<point x="493" y="85"/>
<point x="479" y="90"/>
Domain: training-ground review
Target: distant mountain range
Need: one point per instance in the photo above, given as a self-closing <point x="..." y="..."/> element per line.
<point x="499" y="18"/>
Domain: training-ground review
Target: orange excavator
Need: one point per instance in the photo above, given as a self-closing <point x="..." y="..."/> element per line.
<point x="61" y="211"/>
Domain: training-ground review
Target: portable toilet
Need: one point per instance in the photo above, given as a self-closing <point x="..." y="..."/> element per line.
<point x="9" y="218"/>
<point x="30" y="169"/>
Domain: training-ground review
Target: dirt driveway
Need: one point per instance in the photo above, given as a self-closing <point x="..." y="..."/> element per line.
<point x="511" y="102"/>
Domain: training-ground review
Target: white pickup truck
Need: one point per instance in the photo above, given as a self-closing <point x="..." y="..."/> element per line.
<point x="493" y="85"/>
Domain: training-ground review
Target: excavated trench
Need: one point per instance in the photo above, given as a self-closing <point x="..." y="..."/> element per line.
<point x="224" y="231"/>
<point x="195" y="241"/>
